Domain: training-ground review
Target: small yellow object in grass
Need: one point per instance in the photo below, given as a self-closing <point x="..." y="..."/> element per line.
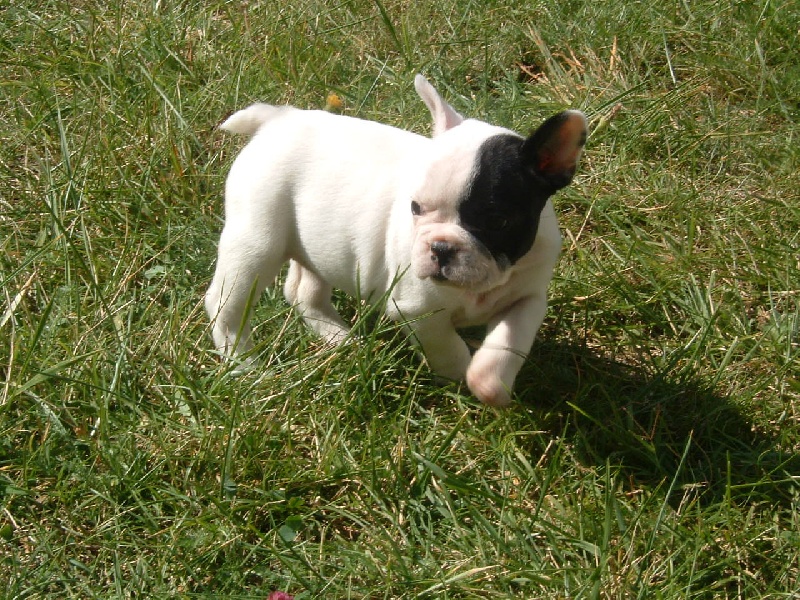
<point x="333" y="103"/>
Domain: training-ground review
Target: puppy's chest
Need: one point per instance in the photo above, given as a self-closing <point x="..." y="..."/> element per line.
<point x="477" y="309"/>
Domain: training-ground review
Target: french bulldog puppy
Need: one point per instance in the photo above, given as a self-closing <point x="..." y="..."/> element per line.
<point x="455" y="230"/>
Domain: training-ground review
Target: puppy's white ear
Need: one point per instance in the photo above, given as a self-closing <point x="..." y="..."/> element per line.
<point x="444" y="116"/>
<point x="553" y="150"/>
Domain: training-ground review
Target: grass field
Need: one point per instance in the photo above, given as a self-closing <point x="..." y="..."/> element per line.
<point x="653" y="450"/>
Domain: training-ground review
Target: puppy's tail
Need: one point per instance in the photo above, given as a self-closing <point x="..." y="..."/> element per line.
<point x="249" y="120"/>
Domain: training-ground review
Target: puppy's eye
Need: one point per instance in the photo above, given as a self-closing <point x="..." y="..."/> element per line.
<point x="495" y="223"/>
<point x="416" y="209"/>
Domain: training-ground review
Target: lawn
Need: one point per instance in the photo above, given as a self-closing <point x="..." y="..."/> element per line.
<point x="653" y="447"/>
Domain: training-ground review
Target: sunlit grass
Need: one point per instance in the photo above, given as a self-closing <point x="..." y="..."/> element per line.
<point x="652" y="450"/>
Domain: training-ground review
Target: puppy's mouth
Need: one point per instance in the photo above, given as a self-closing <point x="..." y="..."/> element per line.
<point x="446" y="261"/>
<point x="453" y="280"/>
<point x="458" y="277"/>
<point x="458" y="268"/>
<point x="455" y="258"/>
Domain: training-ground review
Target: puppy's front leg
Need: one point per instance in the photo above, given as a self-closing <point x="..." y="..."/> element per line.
<point x="491" y="374"/>
<point x="446" y="352"/>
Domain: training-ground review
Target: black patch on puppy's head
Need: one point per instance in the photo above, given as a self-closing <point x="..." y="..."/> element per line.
<point x="502" y="206"/>
<point x="514" y="177"/>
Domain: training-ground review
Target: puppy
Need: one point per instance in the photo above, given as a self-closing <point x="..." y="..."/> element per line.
<point x="457" y="230"/>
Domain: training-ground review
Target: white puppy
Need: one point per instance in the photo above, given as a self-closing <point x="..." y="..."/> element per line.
<point x="458" y="229"/>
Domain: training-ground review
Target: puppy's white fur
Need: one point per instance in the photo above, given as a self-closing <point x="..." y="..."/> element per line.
<point x="332" y="195"/>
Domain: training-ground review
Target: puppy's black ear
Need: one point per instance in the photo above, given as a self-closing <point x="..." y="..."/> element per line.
<point x="553" y="150"/>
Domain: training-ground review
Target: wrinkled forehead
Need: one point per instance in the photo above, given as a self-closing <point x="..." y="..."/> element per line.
<point x="446" y="180"/>
<point x="453" y="162"/>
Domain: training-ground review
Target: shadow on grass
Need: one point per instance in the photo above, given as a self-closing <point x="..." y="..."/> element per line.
<point x="658" y="428"/>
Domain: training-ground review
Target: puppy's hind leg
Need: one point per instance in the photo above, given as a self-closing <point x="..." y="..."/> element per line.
<point x="244" y="270"/>
<point x="311" y="297"/>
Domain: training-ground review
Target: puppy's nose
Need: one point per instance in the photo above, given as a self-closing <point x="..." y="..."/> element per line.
<point x="442" y="253"/>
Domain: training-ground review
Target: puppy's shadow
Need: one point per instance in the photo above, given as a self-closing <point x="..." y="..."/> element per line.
<point x="658" y="429"/>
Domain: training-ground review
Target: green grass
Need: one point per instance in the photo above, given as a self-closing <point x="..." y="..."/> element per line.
<point x="653" y="448"/>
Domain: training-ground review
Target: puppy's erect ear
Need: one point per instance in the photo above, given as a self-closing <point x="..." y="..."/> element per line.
<point x="553" y="150"/>
<point x="444" y="116"/>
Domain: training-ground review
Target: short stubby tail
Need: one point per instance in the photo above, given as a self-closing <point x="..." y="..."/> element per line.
<point x="249" y="120"/>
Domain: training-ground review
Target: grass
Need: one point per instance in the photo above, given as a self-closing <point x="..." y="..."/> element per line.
<point x="653" y="448"/>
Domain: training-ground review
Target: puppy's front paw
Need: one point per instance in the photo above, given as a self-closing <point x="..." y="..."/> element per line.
<point x="488" y="388"/>
<point x="491" y="374"/>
